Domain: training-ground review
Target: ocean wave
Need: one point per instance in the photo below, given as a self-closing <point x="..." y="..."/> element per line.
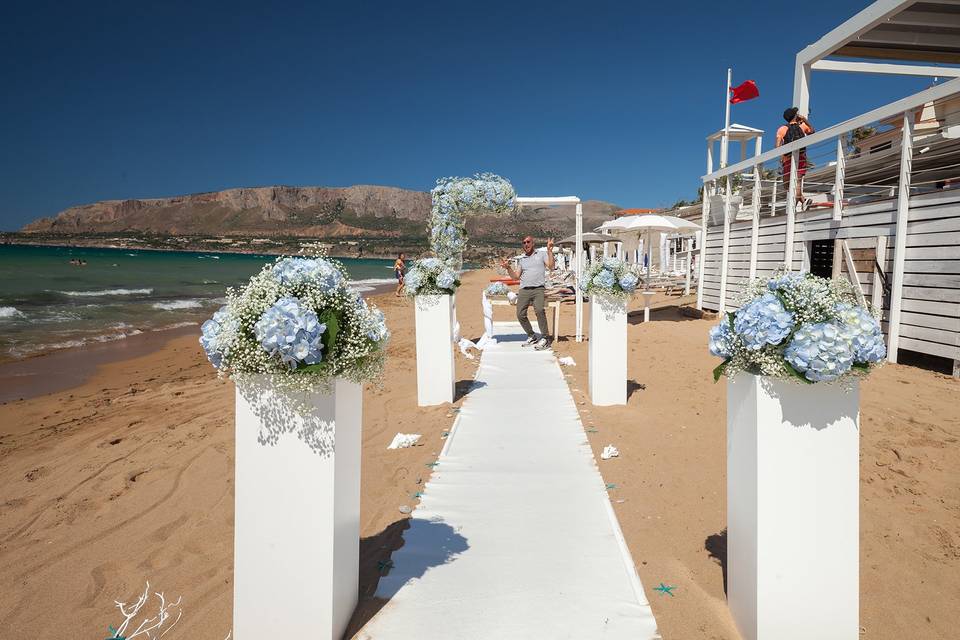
<point x="370" y="284"/>
<point x="10" y="312"/>
<point x="108" y="292"/>
<point x="176" y="325"/>
<point x="76" y="342"/>
<point x="174" y="305"/>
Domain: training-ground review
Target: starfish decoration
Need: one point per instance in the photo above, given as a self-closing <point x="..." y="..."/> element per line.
<point x="665" y="589"/>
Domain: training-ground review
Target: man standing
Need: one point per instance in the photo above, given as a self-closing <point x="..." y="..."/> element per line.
<point x="797" y="127"/>
<point x="532" y="273"/>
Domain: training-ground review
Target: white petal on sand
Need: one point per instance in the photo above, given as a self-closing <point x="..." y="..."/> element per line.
<point x="404" y="440"/>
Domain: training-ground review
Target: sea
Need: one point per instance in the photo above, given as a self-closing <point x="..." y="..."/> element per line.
<point x="48" y="303"/>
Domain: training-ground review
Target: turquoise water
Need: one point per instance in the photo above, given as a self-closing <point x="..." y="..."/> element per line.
<point x="47" y="303"/>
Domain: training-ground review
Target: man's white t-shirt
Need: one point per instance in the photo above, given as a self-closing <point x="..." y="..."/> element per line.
<point x="533" y="269"/>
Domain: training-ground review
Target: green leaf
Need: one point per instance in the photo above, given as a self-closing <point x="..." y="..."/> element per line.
<point x="730" y="319"/>
<point x="320" y="367"/>
<point x="331" y="318"/>
<point x="863" y="366"/>
<point x="795" y="373"/>
<point x="720" y="369"/>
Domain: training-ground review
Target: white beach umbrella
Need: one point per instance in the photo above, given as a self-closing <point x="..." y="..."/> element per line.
<point x="649" y="224"/>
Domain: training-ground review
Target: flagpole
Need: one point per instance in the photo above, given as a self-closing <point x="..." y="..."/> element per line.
<point x="726" y="122"/>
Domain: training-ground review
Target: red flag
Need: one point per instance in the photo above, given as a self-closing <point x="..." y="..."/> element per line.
<point x="747" y="91"/>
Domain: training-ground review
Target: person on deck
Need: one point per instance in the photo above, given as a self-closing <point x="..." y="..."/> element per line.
<point x="797" y="127"/>
<point x="532" y="271"/>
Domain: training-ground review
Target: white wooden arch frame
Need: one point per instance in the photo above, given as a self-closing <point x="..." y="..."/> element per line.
<point x="556" y="201"/>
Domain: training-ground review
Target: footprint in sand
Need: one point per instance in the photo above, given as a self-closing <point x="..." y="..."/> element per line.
<point x="35" y="474"/>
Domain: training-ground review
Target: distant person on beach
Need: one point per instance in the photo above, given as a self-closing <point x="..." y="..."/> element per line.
<point x="399" y="270"/>
<point x="532" y="274"/>
<point x="797" y="127"/>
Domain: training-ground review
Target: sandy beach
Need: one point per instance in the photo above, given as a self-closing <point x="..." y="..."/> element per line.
<point x="127" y="476"/>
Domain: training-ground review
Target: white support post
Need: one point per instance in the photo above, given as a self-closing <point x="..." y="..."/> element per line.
<point x="801" y="86"/>
<point x="755" y="222"/>
<point x="725" y="256"/>
<point x="579" y="303"/>
<point x="702" y="237"/>
<point x="791" y="212"/>
<point x="900" y="244"/>
<point x="702" y="244"/>
<point x="838" y="178"/>
<point x="876" y="293"/>
<point x="758" y="146"/>
<point x="837" y="258"/>
<point x="773" y="196"/>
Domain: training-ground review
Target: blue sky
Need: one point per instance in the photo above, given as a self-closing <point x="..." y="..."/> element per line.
<point x="603" y="100"/>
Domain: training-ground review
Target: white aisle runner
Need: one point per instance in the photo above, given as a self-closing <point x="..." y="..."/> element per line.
<point x="515" y="537"/>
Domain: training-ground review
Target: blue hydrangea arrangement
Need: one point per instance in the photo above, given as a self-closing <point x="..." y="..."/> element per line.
<point x="798" y="326"/>
<point x="298" y="319"/>
<point x="453" y="199"/>
<point x="611" y="277"/>
<point x="431" y="276"/>
<point x="497" y="289"/>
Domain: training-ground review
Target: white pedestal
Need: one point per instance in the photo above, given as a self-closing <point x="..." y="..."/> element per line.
<point x="607" y="366"/>
<point x="435" y="371"/>
<point x="792" y="509"/>
<point x="647" y="298"/>
<point x="297" y="522"/>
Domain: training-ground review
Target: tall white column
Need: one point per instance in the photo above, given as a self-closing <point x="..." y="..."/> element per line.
<point x="793" y="509"/>
<point x="297" y="510"/>
<point x="607" y="366"/>
<point x="435" y="365"/>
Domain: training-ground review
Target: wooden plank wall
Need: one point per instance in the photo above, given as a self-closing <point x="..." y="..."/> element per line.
<point x="930" y="319"/>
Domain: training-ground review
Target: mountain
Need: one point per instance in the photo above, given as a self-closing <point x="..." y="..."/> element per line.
<point x="357" y="212"/>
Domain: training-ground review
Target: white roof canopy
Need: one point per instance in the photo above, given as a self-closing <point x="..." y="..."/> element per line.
<point x="888" y="31"/>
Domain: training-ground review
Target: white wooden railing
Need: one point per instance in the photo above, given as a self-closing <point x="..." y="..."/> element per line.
<point x="902" y="156"/>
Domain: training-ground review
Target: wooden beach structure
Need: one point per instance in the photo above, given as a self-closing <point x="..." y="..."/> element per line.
<point x="882" y="189"/>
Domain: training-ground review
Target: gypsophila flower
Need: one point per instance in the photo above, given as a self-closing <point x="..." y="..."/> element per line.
<point x="866" y="334"/>
<point x="281" y="320"/>
<point x="798" y="323"/>
<point x="821" y="351"/>
<point x="763" y="321"/>
<point x="722" y="340"/>
<point x="431" y="276"/>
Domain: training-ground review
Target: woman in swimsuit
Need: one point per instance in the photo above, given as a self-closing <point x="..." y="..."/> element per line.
<point x="399" y="268"/>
